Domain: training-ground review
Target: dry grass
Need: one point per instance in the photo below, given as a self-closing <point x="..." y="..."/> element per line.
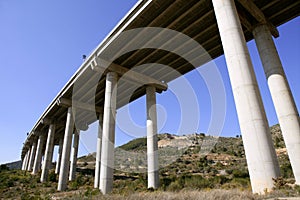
<point x="184" y="194"/>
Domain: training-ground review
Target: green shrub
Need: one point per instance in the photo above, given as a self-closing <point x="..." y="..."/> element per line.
<point x="73" y="185"/>
<point x="218" y="180"/>
<point x="137" y="144"/>
<point x="240" y="174"/>
<point x="10" y="183"/>
<point x="297" y="188"/>
<point x="175" y="186"/>
<point x="3" y="167"/>
<point x="286" y="170"/>
<point x="242" y="182"/>
<point x="52" y="176"/>
<point x="80" y="180"/>
<point x="228" y="171"/>
<point x="90" y="192"/>
<point x="166" y="181"/>
<point x="279" y="183"/>
<point x="219" y="165"/>
<point x="197" y="182"/>
<point x="25" y="196"/>
<point x="32" y="185"/>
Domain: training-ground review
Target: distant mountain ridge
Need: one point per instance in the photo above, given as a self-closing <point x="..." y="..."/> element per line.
<point x="13" y="165"/>
<point x="225" y="145"/>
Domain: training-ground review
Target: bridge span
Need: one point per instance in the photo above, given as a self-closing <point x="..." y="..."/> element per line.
<point x="107" y="80"/>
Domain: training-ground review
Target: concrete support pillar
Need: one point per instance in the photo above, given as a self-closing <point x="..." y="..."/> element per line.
<point x="48" y="153"/>
<point x="65" y="159"/>
<point x="259" y="149"/>
<point x="108" y="139"/>
<point x="152" y="146"/>
<point x="98" y="153"/>
<point x="284" y="104"/>
<point x="43" y="158"/>
<point x="27" y="159"/>
<point x="60" y="146"/>
<point x="32" y="156"/>
<point x="73" y="165"/>
<point x="38" y="155"/>
<point x="25" y="162"/>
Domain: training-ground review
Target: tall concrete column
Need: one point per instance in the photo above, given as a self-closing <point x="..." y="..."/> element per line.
<point x="73" y="165"/>
<point x="259" y="149"/>
<point x="27" y="159"/>
<point x="25" y="162"/>
<point x="48" y="153"/>
<point x="60" y="146"/>
<point x="32" y="156"/>
<point x="108" y="139"/>
<point x="38" y="155"/>
<point x="152" y="146"/>
<point x="65" y="159"/>
<point x="284" y="103"/>
<point x="43" y="158"/>
<point x="98" y="153"/>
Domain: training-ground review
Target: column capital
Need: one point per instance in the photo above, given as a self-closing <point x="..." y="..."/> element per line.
<point x="258" y="15"/>
<point x="103" y="66"/>
<point x="77" y="104"/>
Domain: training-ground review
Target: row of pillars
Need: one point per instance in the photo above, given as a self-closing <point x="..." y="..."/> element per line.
<point x="260" y="152"/>
<point x="105" y="144"/>
<point x="259" y="149"/>
<point x="104" y="166"/>
<point x="32" y="160"/>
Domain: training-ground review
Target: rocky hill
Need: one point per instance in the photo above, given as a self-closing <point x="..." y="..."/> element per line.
<point x="190" y="164"/>
<point x="191" y="155"/>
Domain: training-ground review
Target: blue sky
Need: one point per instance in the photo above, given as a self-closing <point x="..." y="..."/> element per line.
<point x="41" y="46"/>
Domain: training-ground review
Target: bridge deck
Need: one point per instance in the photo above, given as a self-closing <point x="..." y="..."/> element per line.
<point x="194" y="18"/>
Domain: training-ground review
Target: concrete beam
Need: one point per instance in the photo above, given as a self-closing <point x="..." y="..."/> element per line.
<point x="76" y="104"/>
<point x="250" y="6"/>
<point x="245" y="22"/>
<point x="98" y="65"/>
<point x="49" y="121"/>
<point x="79" y="125"/>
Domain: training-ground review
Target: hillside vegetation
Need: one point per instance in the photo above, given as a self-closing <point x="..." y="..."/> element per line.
<point x="186" y="172"/>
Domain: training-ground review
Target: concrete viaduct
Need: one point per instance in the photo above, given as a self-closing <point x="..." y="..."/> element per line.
<point x="220" y="26"/>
